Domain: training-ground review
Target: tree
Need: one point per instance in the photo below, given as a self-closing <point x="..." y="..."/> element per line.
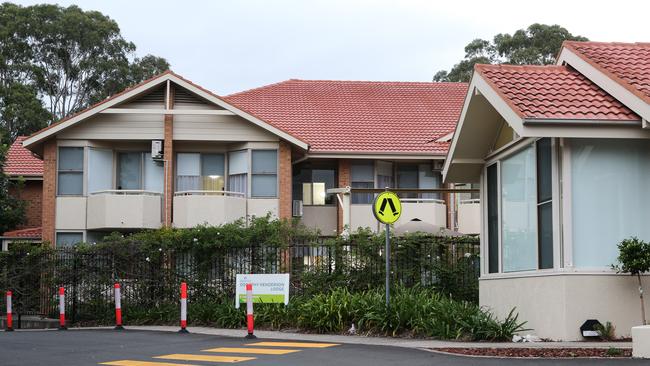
<point x="70" y="57"/>
<point x="536" y="45"/>
<point x="12" y="210"/>
<point x="634" y="258"/>
<point x="21" y="112"/>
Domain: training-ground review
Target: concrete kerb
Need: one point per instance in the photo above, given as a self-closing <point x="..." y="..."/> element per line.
<point x="382" y="341"/>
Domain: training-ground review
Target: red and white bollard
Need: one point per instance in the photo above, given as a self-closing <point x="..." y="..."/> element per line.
<point x="62" y="309"/>
<point x="183" y="308"/>
<point x="118" y="307"/>
<point x="10" y="322"/>
<point x="249" y="311"/>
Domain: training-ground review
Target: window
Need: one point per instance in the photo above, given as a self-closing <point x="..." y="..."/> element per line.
<point x="137" y="171"/>
<point x="312" y="180"/>
<point x="238" y="171"/>
<point x="428" y="179"/>
<point x="66" y="239"/>
<point x="519" y="192"/>
<point x="418" y="176"/>
<point x="385" y="175"/>
<point x="264" y="181"/>
<point x="196" y="172"/>
<point x="609" y="197"/>
<point x="100" y="170"/>
<point x="519" y="211"/>
<point x="362" y="176"/>
<point x="71" y="171"/>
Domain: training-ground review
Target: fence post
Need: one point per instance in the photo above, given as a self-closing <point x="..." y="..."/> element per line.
<point x="118" y="307"/>
<point x="10" y="324"/>
<point x="62" y="309"/>
<point x="183" y="308"/>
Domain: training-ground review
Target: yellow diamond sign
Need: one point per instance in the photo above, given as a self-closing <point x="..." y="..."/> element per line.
<point x="387" y="207"/>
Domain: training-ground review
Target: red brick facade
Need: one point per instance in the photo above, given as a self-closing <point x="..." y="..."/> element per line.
<point x="343" y="181"/>
<point x="168" y="147"/>
<point x="32" y="193"/>
<point x="285" y="176"/>
<point x="49" y="190"/>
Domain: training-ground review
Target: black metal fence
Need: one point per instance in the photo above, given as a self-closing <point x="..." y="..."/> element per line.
<point x="150" y="279"/>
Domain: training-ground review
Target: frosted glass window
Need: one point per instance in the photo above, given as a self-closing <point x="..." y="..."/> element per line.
<point x="265" y="179"/>
<point x="100" y="170"/>
<point x="129" y="172"/>
<point x="153" y="174"/>
<point x="70" y="171"/>
<point x="610" y="197"/>
<point x="238" y="162"/>
<point x="519" y="211"/>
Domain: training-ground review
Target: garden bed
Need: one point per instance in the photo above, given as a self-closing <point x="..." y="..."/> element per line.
<point x="540" y="352"/>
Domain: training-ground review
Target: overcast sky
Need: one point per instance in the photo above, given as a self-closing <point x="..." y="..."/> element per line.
<point x="228" y="46"/>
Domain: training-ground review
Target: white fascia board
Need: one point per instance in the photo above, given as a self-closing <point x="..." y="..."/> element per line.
<point x="168" y="111"/>
<point x="223" y="104"/>
<point x="479" y="86"/>
<point x="623" y="95"/>
<point x="92" y="111"/>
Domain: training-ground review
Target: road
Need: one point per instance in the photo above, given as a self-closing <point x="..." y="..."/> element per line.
<point x="146" y="348"/>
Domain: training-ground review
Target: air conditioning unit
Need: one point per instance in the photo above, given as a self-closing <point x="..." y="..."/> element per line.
<point x="296" y="208"/>
<point x="157" y="150"/>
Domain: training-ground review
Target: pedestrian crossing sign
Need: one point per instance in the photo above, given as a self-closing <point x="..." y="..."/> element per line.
<point x="387" y="207"/>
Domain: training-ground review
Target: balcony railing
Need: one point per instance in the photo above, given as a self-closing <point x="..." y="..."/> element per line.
<point x="200" y="207"/>
<point x="210" y="193"/>
<point x="124" y="209"/>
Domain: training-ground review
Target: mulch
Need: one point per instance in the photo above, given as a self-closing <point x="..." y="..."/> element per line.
<point x="540" y="352"/>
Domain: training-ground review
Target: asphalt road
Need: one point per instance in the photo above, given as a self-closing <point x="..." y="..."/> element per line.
<point x="127" y="348"/>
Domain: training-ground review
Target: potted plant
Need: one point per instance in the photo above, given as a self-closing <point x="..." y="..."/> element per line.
<point x="634" y="258"/>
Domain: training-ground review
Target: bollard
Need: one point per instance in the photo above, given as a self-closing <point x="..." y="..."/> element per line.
<point x="62" y="309"/>
<point x="183" y="308"/>
<point x="10" y="322"/>
<point x="118" y="308"/>
<point x="249" y="311"/>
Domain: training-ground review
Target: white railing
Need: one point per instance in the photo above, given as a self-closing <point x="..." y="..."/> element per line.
<point x="422" y="200"/>
<point x="128" y="192"/>
<point x="466" y="202"/>
<point x="210" y="193"/>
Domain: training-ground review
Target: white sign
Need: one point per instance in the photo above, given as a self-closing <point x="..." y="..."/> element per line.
<point x="267" y="288"/>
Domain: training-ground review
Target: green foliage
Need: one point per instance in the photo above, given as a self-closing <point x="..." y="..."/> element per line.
<point x="633" y="257"/>
<point x="614" y="352"/>
<point x="12" y="210"/>
<point x="536" y="45"/>
<point x="70" y="57"/>
<point x="606" y="332"/>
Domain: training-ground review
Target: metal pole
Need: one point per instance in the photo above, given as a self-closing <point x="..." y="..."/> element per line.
<point x="387" y="265"/>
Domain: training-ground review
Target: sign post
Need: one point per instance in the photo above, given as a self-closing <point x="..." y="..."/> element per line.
<point x="387" y="209"/>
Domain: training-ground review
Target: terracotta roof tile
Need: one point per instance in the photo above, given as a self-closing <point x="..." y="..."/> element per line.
<point x="553" y="92"/>
<point x="360" y="116"/>
<point x="22" y="162"/>
<point x="626" y="63"/>
<point x="34" y="232"/>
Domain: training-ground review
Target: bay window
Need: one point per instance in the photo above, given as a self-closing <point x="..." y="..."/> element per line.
<point x="520" y="210"/>
<point x="197" y="172"/>
<point x="264" y="173"/>
<point x="100" y="169"/>
<point x="238" y="171"/>
<point x="70" y="171"/>
<point x="137" y="171"/>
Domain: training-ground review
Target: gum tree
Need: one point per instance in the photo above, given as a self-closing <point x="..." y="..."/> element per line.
<point x="634" y="258"/>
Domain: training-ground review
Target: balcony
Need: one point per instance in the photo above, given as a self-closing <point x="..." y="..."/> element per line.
<point x="192" y="208"/>
<point x="427" y="210"/>
<point x="469" y="216"/>
<point x="124" y="209"/>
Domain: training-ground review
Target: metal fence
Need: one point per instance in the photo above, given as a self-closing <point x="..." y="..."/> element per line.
<point x="151" y="278"/>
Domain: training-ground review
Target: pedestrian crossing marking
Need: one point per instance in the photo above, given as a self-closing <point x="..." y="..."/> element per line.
<point x="207" y="358"/>
<point x="293" y="344"/>
<point x="254" y="351"/>
<point x="142" y="363"/>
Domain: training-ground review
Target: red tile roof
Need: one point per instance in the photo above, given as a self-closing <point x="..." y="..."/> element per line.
<point x="553" y="92"/>
<point x="34" y="232"/>
<point x="626" y="63"/>
<point x="22" y="162"/>
<point x="360" y="116"/>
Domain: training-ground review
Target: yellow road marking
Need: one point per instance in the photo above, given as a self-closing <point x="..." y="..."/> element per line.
<point x="142" y="363"/>
<point x="293" y="344"/>
<point x="255" y="351"/>
<point x="188" y="357"/>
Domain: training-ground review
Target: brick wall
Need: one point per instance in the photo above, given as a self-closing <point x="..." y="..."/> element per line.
<point x="49" y="190"/>
<point x="32" y="193"/>
<point x="169" y="168"/>
<point x="285" y="172"/>
<point x="343" y="181"/>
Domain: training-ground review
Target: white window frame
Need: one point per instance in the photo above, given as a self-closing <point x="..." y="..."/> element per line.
<point x="84" y="172"/>
<point x="250" y="173"/>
